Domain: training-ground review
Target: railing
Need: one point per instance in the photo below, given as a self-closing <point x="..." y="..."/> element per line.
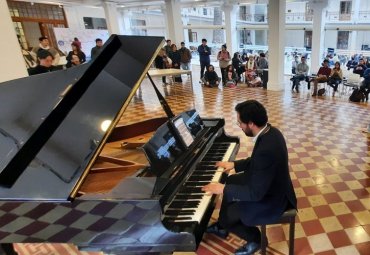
<point x="297" y="17"/>
<point x="364" y="16"/>
<point x="259" y="18"/>
<point x="337" y="16"/>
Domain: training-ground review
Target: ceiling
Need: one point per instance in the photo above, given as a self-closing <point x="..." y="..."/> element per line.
<point x="145" y="3"/>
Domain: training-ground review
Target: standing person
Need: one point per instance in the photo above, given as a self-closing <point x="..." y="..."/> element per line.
<point x="238" y="65"/>
<point x="44" y="45"/>
<point x="262" y="62"/>
<point x="176" y="60"/>
<point x="301" y="74"/>
<point x="76" y="50"/>
<point x="185" y="57"/>
<point x="322" y="76"/>
<point x="160" y="64"/>
<point x="75" y="40"/>
<point x="223" y="57"/>
<point x="204" y="59"/>
<point x="168" y="47"/>
<point x="97" y="49"/>
<point x="45" y="63"/>
<point x="261" y="190"/>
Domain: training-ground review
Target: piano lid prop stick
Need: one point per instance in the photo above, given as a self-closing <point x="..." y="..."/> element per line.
<point x="163" y="102"/>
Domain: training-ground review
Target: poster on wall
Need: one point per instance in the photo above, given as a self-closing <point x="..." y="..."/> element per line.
<point x="87" y="38"/>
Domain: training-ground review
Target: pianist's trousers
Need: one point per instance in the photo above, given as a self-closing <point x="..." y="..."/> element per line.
<point x="230" y="218"/>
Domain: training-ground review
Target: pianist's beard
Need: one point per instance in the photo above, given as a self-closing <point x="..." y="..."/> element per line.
<point x="248" y="132"/>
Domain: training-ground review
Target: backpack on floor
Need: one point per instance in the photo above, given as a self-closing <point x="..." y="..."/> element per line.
<point x="356" y="96"/>
<point x="321" y="92"/>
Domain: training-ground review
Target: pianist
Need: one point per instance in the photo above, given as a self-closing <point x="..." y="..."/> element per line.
<point x="261" y="189"/>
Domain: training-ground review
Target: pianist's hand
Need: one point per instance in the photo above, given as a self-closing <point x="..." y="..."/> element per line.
<point x="226" y="165"/>
<point x="214" y="188"/>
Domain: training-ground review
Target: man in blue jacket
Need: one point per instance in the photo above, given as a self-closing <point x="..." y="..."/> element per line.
<point x="204" y="52"/>
<point x="365" y="86"/>
<point x="261" y="189"/>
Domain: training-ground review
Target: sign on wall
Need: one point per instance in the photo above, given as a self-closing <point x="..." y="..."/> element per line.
<point x="87" y="38"/>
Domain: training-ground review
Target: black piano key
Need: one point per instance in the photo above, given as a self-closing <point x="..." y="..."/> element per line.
<point x="213" y="167"/>
<point x="188" y="190"/>
<point x="204" y="172"/>
<point x="177" y="218"/>
<point x="186" y="197"/>
<point x="179" y="212"/>
<point x="217" y="151"/>
<point x="212" y="158"/>
<point x="195" y="184"/>
<point x="184" y="204"/>
<point x="195" y="178"/>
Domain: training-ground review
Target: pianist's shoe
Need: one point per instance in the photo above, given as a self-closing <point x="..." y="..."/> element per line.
<point x="216" y="229"/>
<point x="248" y="249"/>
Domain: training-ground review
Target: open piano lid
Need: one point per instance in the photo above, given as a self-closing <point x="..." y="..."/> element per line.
<point x="46" y="155"/>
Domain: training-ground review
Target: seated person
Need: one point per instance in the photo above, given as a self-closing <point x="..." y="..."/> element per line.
<point x="351" y="63"/>
<point x="360" y="68"/>
<point x="365" y="86"/>
<point x="295" y="62"/>
<point x="230" y="76"/>
<point x="322" y="76"/>
<point x="252" y="79"/>
<point x="301" y="74"/>
<point x="210" y="78"/>
<point x="261" y="189"/>
<point x="336" y="77"/>
<point x="45" y="63"/>
<point x="74" y="61"/>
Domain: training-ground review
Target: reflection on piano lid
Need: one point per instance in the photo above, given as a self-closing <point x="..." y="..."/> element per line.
<point x="162" y="150"/>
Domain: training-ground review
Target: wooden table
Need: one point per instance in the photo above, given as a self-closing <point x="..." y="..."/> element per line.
<point x="170" y="72"/>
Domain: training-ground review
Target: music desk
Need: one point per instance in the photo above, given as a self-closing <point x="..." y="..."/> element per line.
<point x="170" y="72"/>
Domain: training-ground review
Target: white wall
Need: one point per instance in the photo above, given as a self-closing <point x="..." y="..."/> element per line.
<point x="12" y="65"/>
<point x="294" y="38"/>
<point x="333" y="6"/>
<point x="364" y="5"/>
<point x="363" y="37"/>
<point x="75" y="15"/>
<point x="330" y="40"/>
<point x="295" y="7"/>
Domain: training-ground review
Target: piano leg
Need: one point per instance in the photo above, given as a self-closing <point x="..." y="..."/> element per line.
<point x="7" y="249"/>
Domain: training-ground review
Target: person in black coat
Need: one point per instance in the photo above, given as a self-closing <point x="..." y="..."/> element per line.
<point x="176" y="60"/>
<point x="261" y="189"/>
<point x="238" y="65"/>
<point x="76" y="50"/>
<point x="45" y="63"/>
<point x="210" y="77"/>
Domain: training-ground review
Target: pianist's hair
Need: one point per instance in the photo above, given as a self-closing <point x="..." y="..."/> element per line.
<point x="252" y="110"/>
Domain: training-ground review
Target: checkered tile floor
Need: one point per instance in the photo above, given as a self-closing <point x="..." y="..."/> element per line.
<point x="329" y="157"/>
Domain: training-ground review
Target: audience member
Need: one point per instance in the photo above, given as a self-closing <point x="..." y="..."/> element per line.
<point x="44" y="45"/>
<point x="45" y="63"/>
<point x="185" y="57"/>
<point x="365" y="86"/>
<point x="295" y="62"/>
<point x="95" y="51"/>
<point x="230" y="77"/>
<point x="159" y="63"/>
<point x="75" y="40"/>
<point x="301" y="74"/>
<point x="336" y="77"/>
<point x="351" y="63"/>
<point x="360" y="68"/>
<point x="204" y="59"/>
<point x="76" y="50"/>
<point x="223" y="57"/>
<point x="168" y="47"/>
<point x="210" y="77"/>
<point x="238" y="65"/>
<point x="262" y="62"/>
<point x="176" y="60"/>
<point x="322" y="76"/>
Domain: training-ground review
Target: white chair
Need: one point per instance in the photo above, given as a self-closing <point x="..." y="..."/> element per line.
<point x="353" y="80"/>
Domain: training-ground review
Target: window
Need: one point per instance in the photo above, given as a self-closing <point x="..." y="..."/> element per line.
<point x="345" y="10"/>
<point x="94" y="23"/>
<point x="308" y="39"/>
<point x="245" y="37"/>
<point x="138" y="22"/>
<point x="342" y="41"/>
<point x="243" y="13"/>
<point x="204" y="11"/>
<point x="193" y="36"/>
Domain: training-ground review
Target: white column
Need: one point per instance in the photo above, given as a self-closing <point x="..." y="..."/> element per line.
<point x="230" y="27"/>
<point x="111" y="16"/>
<point x="276" y="41"/>
<point x="12" y="65"/>
<point x="318" y="7"/>
<point x="127" y="22"/>
<point x="353" y="34"/>
<point x="174" y="27"/>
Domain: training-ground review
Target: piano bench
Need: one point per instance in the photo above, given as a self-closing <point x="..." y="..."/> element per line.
<point x="287" y="217"/>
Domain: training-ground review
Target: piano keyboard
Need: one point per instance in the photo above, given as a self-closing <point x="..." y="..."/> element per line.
<point x="190" y="203"/>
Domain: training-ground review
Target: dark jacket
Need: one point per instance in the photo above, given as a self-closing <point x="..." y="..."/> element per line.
<point x="359" y="69"/>
<point x="80" y="55"/>
<point x="159" y="63"/>
<point x="176" y="59"/>
<point x="185" y="55"/>
<point x="95" y="52"/>
<point x="40" y="69"/>
<point x="266" y="189"/>
<point x="211" y="77"/>
<point x="204" y="52"/>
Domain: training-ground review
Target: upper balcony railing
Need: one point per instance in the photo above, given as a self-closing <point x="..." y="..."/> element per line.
<point x="297" y="17"/>
<point x="364" y="16"/>
<point x="259" y="18"/>
<point x="337" y="16"/>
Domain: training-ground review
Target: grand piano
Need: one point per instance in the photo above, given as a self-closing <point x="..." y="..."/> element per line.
<point x="71" y="173"/>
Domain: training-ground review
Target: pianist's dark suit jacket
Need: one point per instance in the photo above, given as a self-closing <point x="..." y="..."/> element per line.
<point x="262" y="186"/>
